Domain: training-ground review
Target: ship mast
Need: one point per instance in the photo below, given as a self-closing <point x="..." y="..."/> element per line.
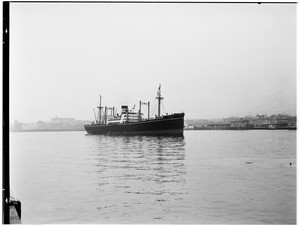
<point x="95" y="115"/>
<point x="159" y="97"/>
<point x="100" y="108"/>
<point x="140" y="109"/>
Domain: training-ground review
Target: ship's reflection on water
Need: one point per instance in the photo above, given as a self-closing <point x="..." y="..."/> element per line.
<point x="140" y="175"/>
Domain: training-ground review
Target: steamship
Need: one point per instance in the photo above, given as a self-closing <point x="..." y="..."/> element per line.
<point x="130" y="122"/>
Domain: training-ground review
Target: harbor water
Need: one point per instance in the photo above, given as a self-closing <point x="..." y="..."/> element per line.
<point x="206" y="177"/>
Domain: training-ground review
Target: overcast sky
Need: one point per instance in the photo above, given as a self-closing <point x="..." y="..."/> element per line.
<point x="212" y="60"/>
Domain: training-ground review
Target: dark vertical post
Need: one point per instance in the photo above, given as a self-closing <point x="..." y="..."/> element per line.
<point x="5" y="116"/>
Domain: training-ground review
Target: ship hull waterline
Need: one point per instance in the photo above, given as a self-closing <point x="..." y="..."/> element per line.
<point x="157" y="127"/>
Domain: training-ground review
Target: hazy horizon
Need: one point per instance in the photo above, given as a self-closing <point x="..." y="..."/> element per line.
<point x="212" y="60"/>
<point x="186" y="119"/>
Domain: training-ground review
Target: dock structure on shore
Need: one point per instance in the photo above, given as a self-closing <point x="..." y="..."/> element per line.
<point x="259" y="122"/>
<point x="240" y="128"/>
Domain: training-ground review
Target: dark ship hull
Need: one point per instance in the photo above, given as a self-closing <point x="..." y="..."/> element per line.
<point x="168" y="125"/>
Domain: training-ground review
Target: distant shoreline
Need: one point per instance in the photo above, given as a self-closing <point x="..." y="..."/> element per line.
<point x="48" y="130"/>
<point x="203" y="128"/>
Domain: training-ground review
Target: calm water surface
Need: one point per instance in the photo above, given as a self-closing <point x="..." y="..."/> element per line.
<point x="207" y="177"/>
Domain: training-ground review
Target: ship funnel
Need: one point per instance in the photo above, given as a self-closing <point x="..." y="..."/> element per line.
<point x="124" y="108"/>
